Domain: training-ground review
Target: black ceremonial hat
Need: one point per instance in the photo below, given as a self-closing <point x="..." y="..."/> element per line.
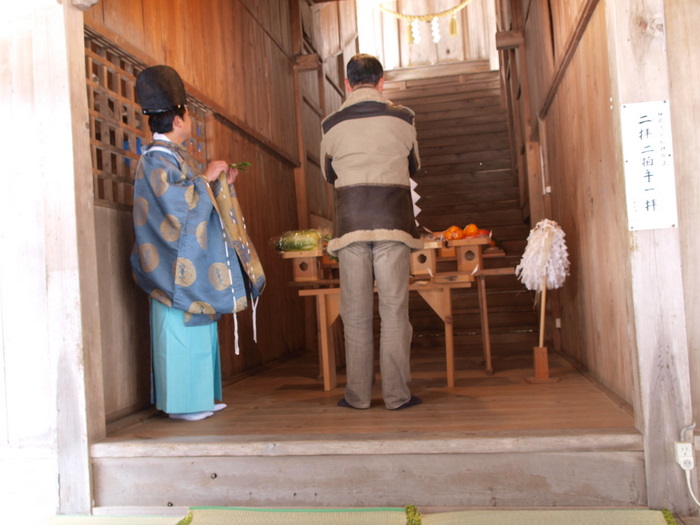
<point x="160" y="89"/>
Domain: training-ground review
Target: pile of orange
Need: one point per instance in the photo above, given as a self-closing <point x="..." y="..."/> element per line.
<point x="454" y="233"/>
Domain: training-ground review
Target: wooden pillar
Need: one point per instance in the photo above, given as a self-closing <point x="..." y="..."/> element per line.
<point x="81" y="418"/>
<point x="662" y="404"/>
<point x="48" y="288"/>
<point x="525" y="130"/>
<point x="304" y="63"/>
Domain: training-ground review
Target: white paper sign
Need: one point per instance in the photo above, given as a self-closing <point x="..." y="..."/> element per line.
<point x="649" y="177"/>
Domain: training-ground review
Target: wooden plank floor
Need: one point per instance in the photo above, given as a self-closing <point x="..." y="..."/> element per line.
<point x="287" y="402"/>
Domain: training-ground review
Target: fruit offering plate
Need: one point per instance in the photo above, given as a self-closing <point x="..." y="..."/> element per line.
<point x="469" y="241"/>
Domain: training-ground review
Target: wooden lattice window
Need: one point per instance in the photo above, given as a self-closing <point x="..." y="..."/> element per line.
<point x="118" y="129"/>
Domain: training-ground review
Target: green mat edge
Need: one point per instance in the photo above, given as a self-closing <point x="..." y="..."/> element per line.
<point x="668" y="517"/>
<point x="411" y="511"/>
<point x="264" y="509"/>
<point x="412" y="514"/>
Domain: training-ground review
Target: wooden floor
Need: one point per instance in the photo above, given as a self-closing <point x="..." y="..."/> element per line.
<point x="288" y="402"/>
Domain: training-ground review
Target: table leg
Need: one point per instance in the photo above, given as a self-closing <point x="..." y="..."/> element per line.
<point x="327" y="309"/>
<point x="440" y="301"/>
<point x="484" y="312"/>
<point x="449" y="344"/>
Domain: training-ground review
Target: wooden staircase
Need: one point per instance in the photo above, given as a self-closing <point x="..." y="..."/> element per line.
<point x="466" y="177"/>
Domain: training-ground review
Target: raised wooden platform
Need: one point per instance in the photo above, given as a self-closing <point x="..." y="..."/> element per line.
<point x="489" y="441"/>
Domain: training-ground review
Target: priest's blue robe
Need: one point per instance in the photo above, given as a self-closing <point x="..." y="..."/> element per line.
<point x="192" y="272"/>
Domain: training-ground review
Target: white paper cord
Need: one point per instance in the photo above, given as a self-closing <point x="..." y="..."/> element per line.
<point x="235" y="333"/>
<point x="230" y="278"/>
<point x="255" y="319"/>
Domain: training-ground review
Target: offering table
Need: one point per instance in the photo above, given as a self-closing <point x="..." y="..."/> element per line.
<point x="434" y="287"/>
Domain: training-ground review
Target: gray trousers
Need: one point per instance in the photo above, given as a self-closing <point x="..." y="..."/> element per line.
<point x="361" y="264"/>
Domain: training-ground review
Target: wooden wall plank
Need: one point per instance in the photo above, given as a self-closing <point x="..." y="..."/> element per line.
<point x="331" y="45"/>
<point x="126" y="15"/>
<point x="347" y="20"/>
<point x="569" y="48"/>
<point x="683" y="44"/>
<point x="125" y="331"/>
<point x="587" y="199"/>
<point x="564" y="17"/>
<point x="539" y="54"/>
<point x="231" y="80"/>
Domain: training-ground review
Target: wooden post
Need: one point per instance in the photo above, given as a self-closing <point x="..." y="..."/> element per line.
<point x="540" y="357"/>
<point x="543" y="309"/>
<point x="481" y="276"/>
<point x="484" y="313"/>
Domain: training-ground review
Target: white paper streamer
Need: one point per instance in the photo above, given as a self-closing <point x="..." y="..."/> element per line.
<point x="545" y="256"/>
<point x="415" y="198"/>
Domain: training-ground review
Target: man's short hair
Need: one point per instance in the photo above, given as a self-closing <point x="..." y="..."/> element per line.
<point x="364" y="69"/>
<point x="163" y="122"/>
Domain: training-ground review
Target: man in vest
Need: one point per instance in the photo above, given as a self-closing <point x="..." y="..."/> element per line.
<point x="369" y="151"/>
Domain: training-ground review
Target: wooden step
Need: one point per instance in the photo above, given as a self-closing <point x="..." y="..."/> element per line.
<point x="457" y="93"/>
<point x="452" y="128"/>
<point x="475" y="139"/>
<point x="484" y="178"/>
<point x="283" y="442"/>
<point x="441" y="82"/>
<point x="465" y="214"/>
<point x="456" y="125"/>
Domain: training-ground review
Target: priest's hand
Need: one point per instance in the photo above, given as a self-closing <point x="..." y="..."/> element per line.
<point x="215" y="168"/>
<point x="231" y="175"/>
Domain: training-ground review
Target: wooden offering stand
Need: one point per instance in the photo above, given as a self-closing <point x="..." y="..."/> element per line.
<point x="307" y="264"/>
<point x="468" y="253"/>
<point x="424" y="262"/>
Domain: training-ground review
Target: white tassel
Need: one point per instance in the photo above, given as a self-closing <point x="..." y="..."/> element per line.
<point x="235" y="334"/>
<point x="415" y="31"/>
<point x="545" y="261"/>
<point x="435" y="29"/>
<point x="255" y="319"/>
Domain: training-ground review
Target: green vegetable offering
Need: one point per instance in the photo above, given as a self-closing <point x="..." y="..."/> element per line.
<point x="299" y="240"/>
<point x="242" y="166"/>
